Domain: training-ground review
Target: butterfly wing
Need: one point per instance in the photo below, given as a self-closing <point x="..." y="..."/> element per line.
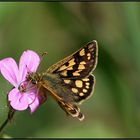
<point x="64" y="99"/>
<point x="74" y="81"/>
<point x="79" y="64"/>
<point x="79" y="89"/>
<point x="71" y="109"/>
<point x="70" y="90"/>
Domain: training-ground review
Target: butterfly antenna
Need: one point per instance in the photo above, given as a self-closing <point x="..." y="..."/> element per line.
<point x="41" y="57"/>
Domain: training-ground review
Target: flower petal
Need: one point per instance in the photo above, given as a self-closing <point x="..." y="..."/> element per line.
<point x="23" y="73"/>
<point x="31" y="96"/>
<point x="34" y="105"/>
<point x="19" y="101"/>
<point x="9" y="70"/>
<point x="30" y="60"/>
<point x="33" y="100"/>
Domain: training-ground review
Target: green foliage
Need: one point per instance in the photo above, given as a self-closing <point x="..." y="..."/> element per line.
<point x="60" y="29"/>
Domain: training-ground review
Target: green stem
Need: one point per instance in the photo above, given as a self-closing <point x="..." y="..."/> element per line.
<point x="9" y="117"/>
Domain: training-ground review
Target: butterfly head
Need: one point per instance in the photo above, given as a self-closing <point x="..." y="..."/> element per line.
<point x="34" y="78"/>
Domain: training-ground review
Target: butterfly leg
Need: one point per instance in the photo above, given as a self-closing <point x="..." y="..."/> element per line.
<point x="40" y="93"/>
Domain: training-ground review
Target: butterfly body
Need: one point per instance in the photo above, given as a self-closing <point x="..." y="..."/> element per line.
<point x="70" y="81"/>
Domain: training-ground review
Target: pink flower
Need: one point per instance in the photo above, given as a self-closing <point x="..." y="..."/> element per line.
<point x="29" y="61"/>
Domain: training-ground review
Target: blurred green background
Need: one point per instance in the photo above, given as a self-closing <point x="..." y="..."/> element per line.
<point x="61" y="28"/>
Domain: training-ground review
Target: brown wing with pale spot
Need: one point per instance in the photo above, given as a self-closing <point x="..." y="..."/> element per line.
<point x="64" y="103"/>
<point x="79" y="89"/>
<point x="79" y="64"/>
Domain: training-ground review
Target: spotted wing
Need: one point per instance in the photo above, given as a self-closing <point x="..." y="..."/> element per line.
<point x="78" y="90"/>
<point x="73" y="82"/>
<point x="70" y="90"/>
<point x="68" y="93"/>
<point x="62" y="97"/>
<point x="79" y="64"/>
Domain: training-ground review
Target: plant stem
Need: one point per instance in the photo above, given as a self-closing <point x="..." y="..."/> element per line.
<point x="9" y="117"/>
<point x="4" y="124"/>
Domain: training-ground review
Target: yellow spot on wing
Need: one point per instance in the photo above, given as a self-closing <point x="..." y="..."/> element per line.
<point x="78" y="83"/>
<point x="71" y="62"/>
<point x="87" y="87"/>
<point x="62" y="68"/>
<point x="82" y="52"/>
<point x="67" y="81"/>
<point x="85" y="79"/>
<point x="76" y="73"/>
<point x="78" y="70"/>
<point x="81" y="94"/>
<point x="87" y="83"/>
<point x="84" y="90"/>
<point x="70" y="68"/>
<point x="74" y="90"/>
<point x="83" y="62"/>
<point x="81" y="67"/>
<point x="64" y="73"/>
<point x="89" y="56"/>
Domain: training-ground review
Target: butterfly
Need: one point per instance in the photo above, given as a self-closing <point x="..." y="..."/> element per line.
<point x="70" y="81"/>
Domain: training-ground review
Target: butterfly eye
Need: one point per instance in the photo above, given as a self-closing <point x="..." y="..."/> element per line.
<point x="34" y="81"/>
